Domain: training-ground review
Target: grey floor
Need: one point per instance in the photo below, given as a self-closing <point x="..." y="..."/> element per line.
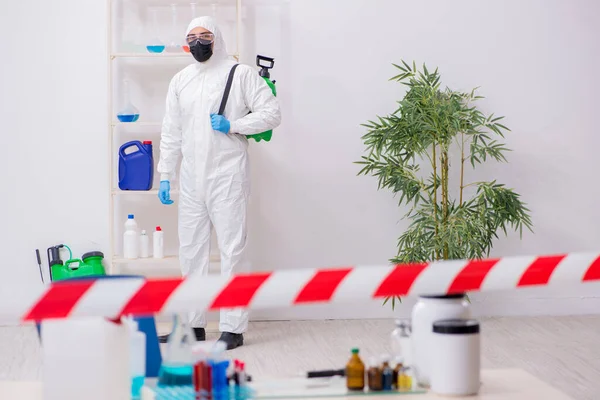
<point x="563" y="351"/>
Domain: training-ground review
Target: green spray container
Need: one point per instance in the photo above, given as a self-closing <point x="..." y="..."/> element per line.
<point x="265" y="64"/>
<point x="90" y="265"/>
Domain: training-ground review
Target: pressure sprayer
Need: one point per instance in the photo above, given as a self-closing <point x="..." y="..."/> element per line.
<point x="265" y="64"/>
<point x="90" y="264"/>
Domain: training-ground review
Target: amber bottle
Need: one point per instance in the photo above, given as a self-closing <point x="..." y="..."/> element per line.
<point x="397" y="370"/>
<point x="375" y="376"/>
<point x="355" y="372"/>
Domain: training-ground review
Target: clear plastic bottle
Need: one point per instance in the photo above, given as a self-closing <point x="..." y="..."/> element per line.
<point x="137" y="358"/>
<point x="158" y="243"/>
<point x="144" y="245"/>
<point x="131" y="239"/>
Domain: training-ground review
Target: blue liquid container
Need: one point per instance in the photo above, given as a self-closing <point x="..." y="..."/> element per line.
<point x="136" y="387"/>
<point x="136" y="168"/>
<point x="175" y="375"/>
<point x="156" y="48"/>
<point x="128" y="117"/>
<point x="220" y="384"/>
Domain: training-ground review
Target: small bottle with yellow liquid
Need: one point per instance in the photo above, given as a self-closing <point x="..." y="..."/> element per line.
<point x="405" y="381"/>
<point x="355" y="373"/>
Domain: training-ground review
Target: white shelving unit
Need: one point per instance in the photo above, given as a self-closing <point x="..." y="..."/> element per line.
<point x="151" y="72"/>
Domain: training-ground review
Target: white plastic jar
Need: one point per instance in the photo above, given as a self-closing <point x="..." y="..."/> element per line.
<point x="428" y="310"/>
<point x="456" y="365"/>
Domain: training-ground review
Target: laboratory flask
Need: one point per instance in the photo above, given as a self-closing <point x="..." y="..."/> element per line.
<point x="128" y="112"/>
<point x="193" y="9"/>
<point x="176" y="43"/>
<point x="155" y="45"/>
<point x="178" y="363"/>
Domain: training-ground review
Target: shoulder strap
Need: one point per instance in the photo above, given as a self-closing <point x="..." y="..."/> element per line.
<point x="227" y="90"/>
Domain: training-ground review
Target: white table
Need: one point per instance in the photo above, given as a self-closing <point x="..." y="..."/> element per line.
<point x="498" y="384"/>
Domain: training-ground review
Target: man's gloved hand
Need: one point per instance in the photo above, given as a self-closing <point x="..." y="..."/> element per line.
<point x="164" y="192"/>
<point x="220" y="123"/>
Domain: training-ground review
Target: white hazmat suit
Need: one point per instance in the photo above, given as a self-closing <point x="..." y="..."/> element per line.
<point x="214" y="176"/>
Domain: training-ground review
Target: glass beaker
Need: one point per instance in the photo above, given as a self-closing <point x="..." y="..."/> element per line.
<point x="128" y="113"/>
<point x="176" y="44"/>
<point x="155" y="45"/>
<point x="178" y="363"/>
<point x="193" y="8"/>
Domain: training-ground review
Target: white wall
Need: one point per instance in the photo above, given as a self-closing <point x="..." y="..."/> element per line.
<point x="535" y="60"/>
<point x="53" y="110"/>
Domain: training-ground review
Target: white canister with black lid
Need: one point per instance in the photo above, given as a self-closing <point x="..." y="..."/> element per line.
<point x="456" y="357"/>
<point x="428" y="310"/>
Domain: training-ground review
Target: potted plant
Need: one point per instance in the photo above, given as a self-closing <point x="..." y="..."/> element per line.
<point x="413" y="151"/>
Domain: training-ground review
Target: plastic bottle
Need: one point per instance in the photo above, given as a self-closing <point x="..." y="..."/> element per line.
<point x="220" y="383"/>
<point x="137" y="358"/>
<point x="242" y="374"/>
<point x="375" y="379"/>
<point x="136" y="165"/>
<point x="131" y="239"/>
<point x="144" y="245"/>
<point x="266" y="63"/>
<point x="158" y="243"/>
<point x="387" y="373"/>
<point x="355" y="372"/>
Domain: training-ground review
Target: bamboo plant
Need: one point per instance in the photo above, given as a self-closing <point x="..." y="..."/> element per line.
<point x="413" y="152"/>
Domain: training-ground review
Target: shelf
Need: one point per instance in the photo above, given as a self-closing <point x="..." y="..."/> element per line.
<point x="150" y="55"/>
<point x="163" y="55"/>
<point x="135" y="61"/>
<point x="153" y="192"/>
<point x="168" y="260"/>
<point x="154" y="124"/>
<point x="201" y="3"/>
<point x="152" y="266"/>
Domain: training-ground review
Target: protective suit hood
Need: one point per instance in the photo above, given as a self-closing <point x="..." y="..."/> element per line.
<point x="219" y="48"/>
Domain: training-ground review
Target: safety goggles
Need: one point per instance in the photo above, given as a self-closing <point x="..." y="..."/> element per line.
<point x="203" y="38"/>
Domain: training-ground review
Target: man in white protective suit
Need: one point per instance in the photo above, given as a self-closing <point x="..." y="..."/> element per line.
<point x="214" y="175"/>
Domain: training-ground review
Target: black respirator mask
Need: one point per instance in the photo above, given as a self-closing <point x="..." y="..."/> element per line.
<point x="201" y="52"/>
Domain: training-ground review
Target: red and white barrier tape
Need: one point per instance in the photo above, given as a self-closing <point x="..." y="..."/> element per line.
<point x="112" y="298"/>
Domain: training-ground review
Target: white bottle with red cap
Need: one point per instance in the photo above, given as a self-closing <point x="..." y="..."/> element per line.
<point x="158" y="250"/>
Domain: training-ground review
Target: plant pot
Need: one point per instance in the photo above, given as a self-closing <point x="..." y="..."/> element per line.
<point x="428" y="310"/>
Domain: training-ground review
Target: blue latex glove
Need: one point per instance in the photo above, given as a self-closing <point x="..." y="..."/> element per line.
<point x="164" y="192"/>
<point x="220" y="123"/>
